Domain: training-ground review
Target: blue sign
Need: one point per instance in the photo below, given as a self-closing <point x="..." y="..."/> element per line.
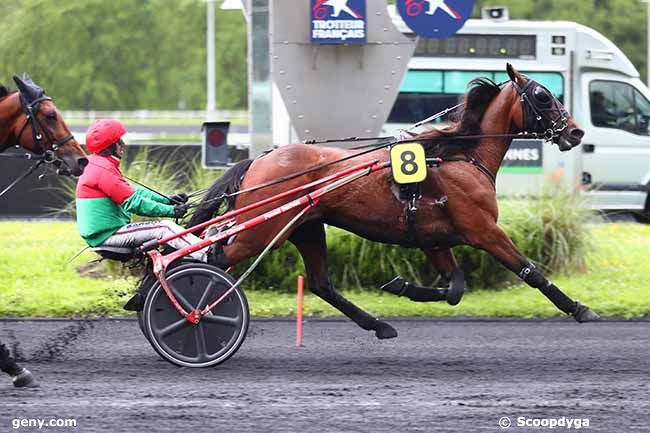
<point x="338" y="21"/>
<point x="435" y="18"/>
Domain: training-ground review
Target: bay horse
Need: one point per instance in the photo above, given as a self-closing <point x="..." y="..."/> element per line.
<point x="29" y="119"/>
<point x="471" y="152"/>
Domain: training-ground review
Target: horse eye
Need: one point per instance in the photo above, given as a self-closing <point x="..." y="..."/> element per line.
<point x="51" y="115"/>
<point x="541" y="95"/>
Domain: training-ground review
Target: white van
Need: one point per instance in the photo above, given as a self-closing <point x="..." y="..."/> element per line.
<point x="596" y="82"/>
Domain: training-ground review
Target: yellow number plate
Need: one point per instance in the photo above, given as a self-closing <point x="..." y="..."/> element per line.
<point x="408" y="163"/>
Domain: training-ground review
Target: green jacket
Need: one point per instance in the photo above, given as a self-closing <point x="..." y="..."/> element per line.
<point x="105" y="200"/>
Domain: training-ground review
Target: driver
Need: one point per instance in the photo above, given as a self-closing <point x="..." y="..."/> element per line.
<point x="105" y="200"/>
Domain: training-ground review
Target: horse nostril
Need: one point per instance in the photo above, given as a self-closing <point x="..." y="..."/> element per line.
<point x="577" y="133"/>
<point x="82" y="162"/>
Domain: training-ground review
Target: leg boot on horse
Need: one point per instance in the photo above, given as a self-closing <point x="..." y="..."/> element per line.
<point x="445" y="262"/>
<point x="21" y="377"/>
<point x="452" y="294"/>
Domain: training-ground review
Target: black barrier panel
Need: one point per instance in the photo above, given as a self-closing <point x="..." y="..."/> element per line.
<point x="41" y="198"/>
<point x="215" y="144"/>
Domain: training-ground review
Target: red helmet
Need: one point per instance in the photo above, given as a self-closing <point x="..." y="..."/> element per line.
<point x="103" y="133"/>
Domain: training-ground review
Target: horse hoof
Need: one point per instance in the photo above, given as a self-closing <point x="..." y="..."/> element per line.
<point x="25" y="379"/>
<point x="384" y="331"/>
<point x="585" y="314"/>
<point x="396" y="286"/>
<point x="456" y="287"/>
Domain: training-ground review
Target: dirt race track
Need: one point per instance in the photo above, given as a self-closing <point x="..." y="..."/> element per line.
<point x="437" y="376"/>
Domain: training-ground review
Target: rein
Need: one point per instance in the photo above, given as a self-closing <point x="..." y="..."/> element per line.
<point x="372" y="148"/>
<point x="294" y="175"/>
<point x="48" y="158"/>
<point x="550" y="128"/>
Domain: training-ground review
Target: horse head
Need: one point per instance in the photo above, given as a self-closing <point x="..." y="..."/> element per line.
<point x="542" y="113"/>
<point x="44" y="131"/>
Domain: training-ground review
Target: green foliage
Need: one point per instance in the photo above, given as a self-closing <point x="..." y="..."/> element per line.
<point x="130" y="54"/>
<point x="123" y="54"/>
<point x="551" y="231"/>
<point x="616" y="284"/>
<point x="39" y="281"/>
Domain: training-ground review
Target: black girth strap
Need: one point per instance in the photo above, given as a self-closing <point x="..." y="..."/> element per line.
<point x="483" y="169"/>
<point x="410" y="193"/>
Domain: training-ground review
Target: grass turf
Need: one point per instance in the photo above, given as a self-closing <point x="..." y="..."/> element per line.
<point x="37" y="280"/>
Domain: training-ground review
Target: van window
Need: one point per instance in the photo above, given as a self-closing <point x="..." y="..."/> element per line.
<point x="427" y="92"/>
<point x="618" y="105"/>
<point x="643" y="112"/>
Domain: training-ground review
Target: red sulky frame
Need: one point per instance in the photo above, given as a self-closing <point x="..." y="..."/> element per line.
<point x="161" y="262"/>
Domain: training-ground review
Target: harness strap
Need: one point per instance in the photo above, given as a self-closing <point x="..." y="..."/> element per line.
<point x="483" y="169"/>
<point x="21" y="177"/>
<point x="410" y="193"/>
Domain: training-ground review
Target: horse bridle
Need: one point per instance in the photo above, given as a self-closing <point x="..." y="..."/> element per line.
<point x="48" y="155"/>
<point x="539" y="104"/>
<point x="31" y="109"/>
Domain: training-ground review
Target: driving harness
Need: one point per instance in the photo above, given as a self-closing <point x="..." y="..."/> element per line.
<point x="538" y="105"/>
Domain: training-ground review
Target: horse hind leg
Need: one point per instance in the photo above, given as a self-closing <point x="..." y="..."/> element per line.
<point x="309" y="239"/>
<point x="442" y="260"/>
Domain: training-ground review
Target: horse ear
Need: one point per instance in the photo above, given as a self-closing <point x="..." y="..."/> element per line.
<point x="28" y="88"/>
<point x="27" y="79"/>
<point x="514" y="74"/>
<point x="22" y="87"/>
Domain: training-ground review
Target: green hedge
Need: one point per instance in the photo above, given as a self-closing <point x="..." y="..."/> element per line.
<point x="550" y="230"/>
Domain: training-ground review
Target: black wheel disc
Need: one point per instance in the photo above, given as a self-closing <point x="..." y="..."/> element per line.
<point x="219" y="333"/>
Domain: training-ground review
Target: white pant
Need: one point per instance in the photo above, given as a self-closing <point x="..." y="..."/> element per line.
<point x="135" y="234"/>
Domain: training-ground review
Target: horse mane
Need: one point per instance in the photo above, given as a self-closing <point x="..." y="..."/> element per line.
<point x="219" y="192"/>
<point x="4" y="91"/>
<point x="482" y="92"/>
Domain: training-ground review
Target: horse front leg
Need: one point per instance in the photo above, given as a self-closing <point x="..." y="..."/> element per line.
<point x="443" y="261"/>
<point x="309" y="239"/>
<point x="499" y="245"/>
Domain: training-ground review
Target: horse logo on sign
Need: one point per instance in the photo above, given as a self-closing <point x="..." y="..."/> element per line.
<point x="338" y="21"/>
<point x="435" y="18"/>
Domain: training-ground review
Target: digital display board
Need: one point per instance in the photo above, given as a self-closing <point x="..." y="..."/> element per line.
<point x="485" y="46"/>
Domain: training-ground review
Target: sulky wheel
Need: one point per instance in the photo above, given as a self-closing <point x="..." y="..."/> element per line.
<point x="218" y="334"/>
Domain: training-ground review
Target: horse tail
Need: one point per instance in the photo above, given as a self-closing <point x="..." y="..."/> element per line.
<point x="219" y="192"/>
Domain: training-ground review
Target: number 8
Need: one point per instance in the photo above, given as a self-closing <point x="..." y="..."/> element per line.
<point x="406" y="162"/>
